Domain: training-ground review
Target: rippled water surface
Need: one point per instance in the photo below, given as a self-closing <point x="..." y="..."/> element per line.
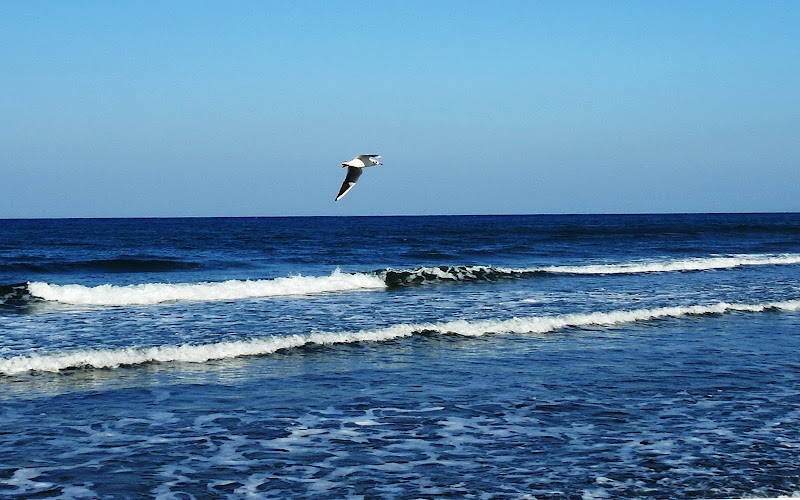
<point x="419" y="357"/>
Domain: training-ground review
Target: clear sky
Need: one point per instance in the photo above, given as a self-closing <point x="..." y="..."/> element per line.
<point x="247" y="108"/>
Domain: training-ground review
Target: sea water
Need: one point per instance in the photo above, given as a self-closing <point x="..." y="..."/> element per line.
<point x="651" y="356"/>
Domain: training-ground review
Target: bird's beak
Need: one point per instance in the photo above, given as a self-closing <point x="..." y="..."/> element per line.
<point x="379" y="163"/>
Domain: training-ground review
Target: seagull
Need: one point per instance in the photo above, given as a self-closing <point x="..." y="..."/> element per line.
<point x="354" y="167"/>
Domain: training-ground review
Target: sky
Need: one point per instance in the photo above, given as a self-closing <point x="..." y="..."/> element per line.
<point x="247" y="108"/>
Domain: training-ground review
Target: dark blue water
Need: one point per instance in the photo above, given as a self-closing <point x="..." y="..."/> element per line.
<point x="649" y="356"/>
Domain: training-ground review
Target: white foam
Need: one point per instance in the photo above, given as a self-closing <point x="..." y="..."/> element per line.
<point x="691" y="264"/>
<point x="546" y="324"/>
<point x="156" y="293"/>
<point x="112" y="358"/>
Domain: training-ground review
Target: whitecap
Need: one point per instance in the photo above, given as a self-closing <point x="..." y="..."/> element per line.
<point x="189" y="353"/>
<point x="156" y="293"/>
<point x="690" y="264"/>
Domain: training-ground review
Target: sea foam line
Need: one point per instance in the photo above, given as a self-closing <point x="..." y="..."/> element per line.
<point x="113" y="358"/>
<point x="156" y="293"/>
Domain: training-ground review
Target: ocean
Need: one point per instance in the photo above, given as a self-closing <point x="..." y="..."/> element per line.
<point x="538" y="357"/>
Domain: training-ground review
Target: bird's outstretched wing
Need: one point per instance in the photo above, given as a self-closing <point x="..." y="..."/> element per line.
<point x="353" y="173"/>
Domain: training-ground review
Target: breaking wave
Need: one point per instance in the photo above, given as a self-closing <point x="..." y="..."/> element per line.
<point x="690" y="264"/>
<point x="156" y="293"/>
<point x="486" y="273"/>
<point x="434" y="274"/>
<point x="188" y="353"/>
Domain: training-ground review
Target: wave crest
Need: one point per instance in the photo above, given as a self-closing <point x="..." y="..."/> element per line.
<point x="113" y="358"/>
<point x="16" y="294"/>
<point x="435" y="274"/>
<point x="157" y="293"/>
<point x="690" y="264"/>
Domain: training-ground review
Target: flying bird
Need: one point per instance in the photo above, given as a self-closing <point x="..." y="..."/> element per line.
<point x="354" y="167"/>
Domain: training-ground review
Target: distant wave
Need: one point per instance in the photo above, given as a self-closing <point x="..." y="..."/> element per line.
<point x="156" y="293"/>
<point x="113" y="358"/>
<point x="425" y="274"/>
<point x="116" y="265"/>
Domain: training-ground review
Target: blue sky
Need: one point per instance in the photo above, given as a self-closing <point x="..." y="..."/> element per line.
<point x="246" y="108"/>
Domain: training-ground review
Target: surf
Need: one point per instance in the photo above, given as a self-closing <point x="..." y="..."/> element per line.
<point x="20" y="294"/>
<point x="444" y="273"/>
<point x="681" y="265"/>
<point x="159" y="293"/>
<point x="533" y="325"/>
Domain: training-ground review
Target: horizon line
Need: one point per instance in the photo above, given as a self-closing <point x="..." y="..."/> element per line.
<point x="551" y="214"/>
